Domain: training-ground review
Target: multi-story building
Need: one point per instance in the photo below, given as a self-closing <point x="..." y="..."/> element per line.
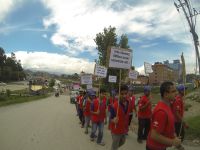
<point x="161" y="73"/>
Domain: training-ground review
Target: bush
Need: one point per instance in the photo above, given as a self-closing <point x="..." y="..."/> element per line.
<point x="8" y="92"/>
<point x="194" y="127"/>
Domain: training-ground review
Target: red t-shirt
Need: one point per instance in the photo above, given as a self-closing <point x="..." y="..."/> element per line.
<point x="132" y="104"/>
<point x="87" y="108"/>
<point x="178" y="105"/>
<point x="163" y="123"/>
<point x="145" y="113"/>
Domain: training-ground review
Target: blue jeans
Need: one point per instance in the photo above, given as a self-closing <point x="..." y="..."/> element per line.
<point x="100" y="126"/>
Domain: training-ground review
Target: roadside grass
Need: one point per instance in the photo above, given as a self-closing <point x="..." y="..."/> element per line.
<point x="21" y="96"/>
<point x="193" y="132"/>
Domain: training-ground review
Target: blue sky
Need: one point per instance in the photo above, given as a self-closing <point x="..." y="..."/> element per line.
<point x="57" y="35"/>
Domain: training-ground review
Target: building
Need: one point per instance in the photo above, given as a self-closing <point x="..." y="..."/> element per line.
<point x="161" y="73"/>
<point x="141" y="80"/>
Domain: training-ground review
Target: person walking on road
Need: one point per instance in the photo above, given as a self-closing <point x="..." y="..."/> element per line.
<point x="162" y="132"/>
<point x="144" y="115"/>
<point x="98" y="114"/>
<point x="119" y="121"/>
<point x="178" y="110"/>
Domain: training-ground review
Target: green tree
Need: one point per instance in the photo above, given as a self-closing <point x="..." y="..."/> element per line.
<point x="52" y="83"/>
<point x="104" y="41"/>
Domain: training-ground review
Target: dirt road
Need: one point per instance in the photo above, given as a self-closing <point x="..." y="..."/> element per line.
<point x="50" y="124"/>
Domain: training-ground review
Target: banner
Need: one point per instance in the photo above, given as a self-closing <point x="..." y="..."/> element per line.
<point x="120" y="58"/>
<point x="147" y="68"/>
<point x="133" y="74"/>
<point x="89" y="86"/>
<point x="183" y="69"/>
<point x="112" y="79"/>
<point x="100" y="71"/>
<point x="86" y="79"/>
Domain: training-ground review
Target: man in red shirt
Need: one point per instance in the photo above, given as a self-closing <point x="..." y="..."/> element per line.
<point x="86" y="108"/>
<point x="162" y="132"/>
<point x="144" y="115"/>
<point x="79" y="100"/>
<point x="98" y="114"/>
<point x="178" y="110"/>
<point x="131" y="107"/>
<point x="118" y="113"/>
<point x="110" y="102"/>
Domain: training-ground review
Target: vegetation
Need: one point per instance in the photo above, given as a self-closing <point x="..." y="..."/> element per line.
<point x="193" y="132"/>
<point x="19" y="96"/>
<point x="10" y="68"/>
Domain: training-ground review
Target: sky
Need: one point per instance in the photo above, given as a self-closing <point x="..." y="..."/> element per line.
<point x="57" y="36"/>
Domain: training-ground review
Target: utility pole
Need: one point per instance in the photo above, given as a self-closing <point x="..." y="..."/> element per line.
<point x="191" y="16"/>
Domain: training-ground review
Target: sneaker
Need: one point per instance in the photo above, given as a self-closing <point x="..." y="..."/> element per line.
<point x="102" y="144"/>
<point x="139" y="141"/>
<point x="92" y="139"/>
<point x="86" y="131"/>
<point x="180" y="147"/>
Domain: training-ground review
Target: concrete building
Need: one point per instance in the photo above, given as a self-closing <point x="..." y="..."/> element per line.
<point x="161" y="73"/>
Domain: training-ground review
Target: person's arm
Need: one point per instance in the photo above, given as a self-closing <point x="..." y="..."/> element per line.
<point x="142" y="108"/>
<point x="164" y="140"/>
<point x="92" y="109"/>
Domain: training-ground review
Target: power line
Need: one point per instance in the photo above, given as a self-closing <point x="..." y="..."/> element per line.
<point x="191" y="16"/>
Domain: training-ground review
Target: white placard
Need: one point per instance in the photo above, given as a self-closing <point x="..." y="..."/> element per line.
<point x="100" y="71"/>
<point x="86" y="79"/>
<point x="89" y="86"/>
<point x="147" y="68"/>
<point x="112" y="79"/>
<point x="120" y="58"/>
<point x="133" y="74"/>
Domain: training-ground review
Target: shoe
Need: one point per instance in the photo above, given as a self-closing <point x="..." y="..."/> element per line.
<point x="180" y="147"/>
<point x="92" y="139"/>
<point x="139" y="141"/>
<point x="102" y="144"/>
<point x="86" y="132"/>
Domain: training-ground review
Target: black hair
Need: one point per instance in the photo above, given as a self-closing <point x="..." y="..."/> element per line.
<point x="164" y="87"/>
<point x="124" y="88"/>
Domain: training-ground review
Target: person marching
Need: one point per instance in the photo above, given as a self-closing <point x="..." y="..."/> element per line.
<point x="118" y="113"/>
<point x="132" y="107"/>
<point x="178" y="110"/>
<point x="162" y="132"/>
<point x="86" y="108"/>
<point x="110" y="103"/>
<point x="144" y="115"/>
<point x="98" y="114"/>
<point x="80" y="108"/>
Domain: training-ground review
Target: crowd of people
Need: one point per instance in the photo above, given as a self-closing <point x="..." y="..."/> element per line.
<point x="161" y="126"/>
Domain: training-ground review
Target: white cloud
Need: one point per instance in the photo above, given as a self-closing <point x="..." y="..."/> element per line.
<point x="55" y="63"/>
<point x="78" y="21"/>
<point x="6" y="7"/>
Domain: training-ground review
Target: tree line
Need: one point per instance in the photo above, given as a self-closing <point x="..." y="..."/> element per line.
<point x="10" y="68"/>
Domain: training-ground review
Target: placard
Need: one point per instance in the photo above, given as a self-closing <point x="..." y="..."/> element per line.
<point x="100" y="71"/>
<point x="86" y="79"/>
<point x="112" y="79"/>
<point x="133" y="74"/>
<point x="147" y="68"/>
<point x="120" y="58"/>
<point x="89" y="86"/>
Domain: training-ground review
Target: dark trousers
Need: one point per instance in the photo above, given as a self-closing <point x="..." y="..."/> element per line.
<point x="130" y="118"/>
<point x="81" y="116"/>
<point x="178" y="128"/>
<point x="143" y="129"/>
